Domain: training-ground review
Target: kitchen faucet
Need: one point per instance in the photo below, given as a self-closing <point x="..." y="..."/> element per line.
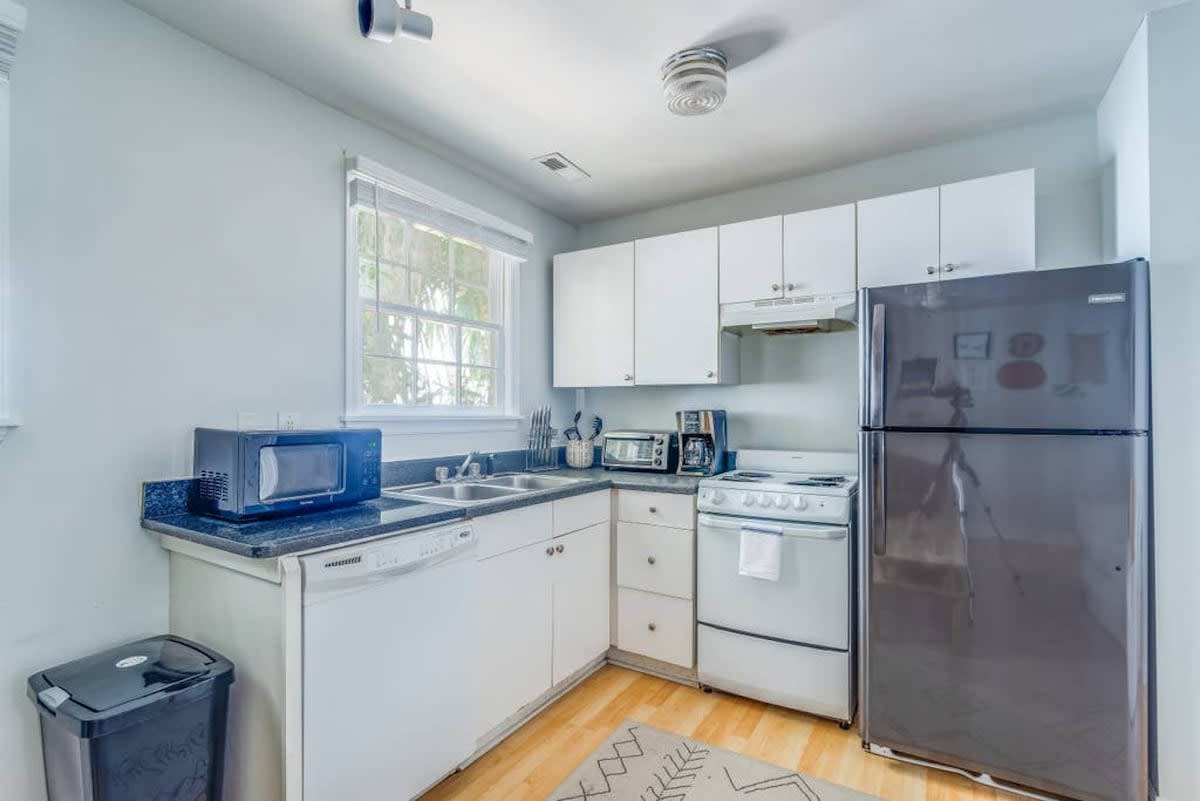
<point x="462" y="468"/>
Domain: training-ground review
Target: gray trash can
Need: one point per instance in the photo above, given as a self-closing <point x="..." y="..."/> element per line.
<point x="143" y="722"/>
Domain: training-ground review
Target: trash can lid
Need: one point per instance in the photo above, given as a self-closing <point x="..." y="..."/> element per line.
<point x="118" y="676"/>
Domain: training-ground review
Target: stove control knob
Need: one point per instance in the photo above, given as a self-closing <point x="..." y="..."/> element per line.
<point x="747" y="499"/>
<point x="800" y="502"/>
<point x="764" y="499"/>
<point x="716" y="496"/>
<point x="781" y="501"/>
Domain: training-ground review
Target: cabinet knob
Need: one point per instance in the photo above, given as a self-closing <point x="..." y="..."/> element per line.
<point x="550" y="551"/>
<point x="653" y="510"/>
<point x="628" y="377"/>
<point x="558" y="549"/>
<point x="709" y="374"/>
<point x="651" y="560"/>
<point x="791" y="287"/>
<point x="949" y="268"/>
<point x="931" y="269"/>
<point x="652" y="627"/>
<point x="774" y="287"/>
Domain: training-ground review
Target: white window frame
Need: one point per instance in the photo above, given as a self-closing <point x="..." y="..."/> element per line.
<point x="434" y="419"/>
<point x="12" y="18"/>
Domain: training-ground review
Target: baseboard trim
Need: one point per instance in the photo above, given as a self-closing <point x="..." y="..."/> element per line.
<point x="653" y="667"/>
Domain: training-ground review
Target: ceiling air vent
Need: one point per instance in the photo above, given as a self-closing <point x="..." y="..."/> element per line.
<point x="562" y="166"/>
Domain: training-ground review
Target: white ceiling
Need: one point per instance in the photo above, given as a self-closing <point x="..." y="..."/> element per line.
<point x="814" y="84"/>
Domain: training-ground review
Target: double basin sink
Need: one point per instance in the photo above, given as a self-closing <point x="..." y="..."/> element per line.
<point x="473" y="491"/>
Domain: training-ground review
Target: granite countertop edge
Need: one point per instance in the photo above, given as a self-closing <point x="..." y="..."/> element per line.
<point x="288" y="535"/>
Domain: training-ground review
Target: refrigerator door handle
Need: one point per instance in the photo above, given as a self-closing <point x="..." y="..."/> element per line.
<point x="875" y="378"/>
<point x="877" y="487"/>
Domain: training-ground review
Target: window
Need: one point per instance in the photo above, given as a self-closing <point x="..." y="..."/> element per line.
<point x="429" y="303"/>
<point x="12" y="22"/>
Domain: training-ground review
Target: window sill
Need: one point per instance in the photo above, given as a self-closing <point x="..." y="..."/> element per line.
<point x="418" y="424"/>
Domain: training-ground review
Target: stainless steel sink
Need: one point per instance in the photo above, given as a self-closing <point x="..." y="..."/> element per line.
<point x="461" y="493"/>
<point x="527" y="482"/>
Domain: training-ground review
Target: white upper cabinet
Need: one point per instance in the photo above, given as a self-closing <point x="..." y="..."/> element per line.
<point x="898" y="238"/>
<point x="593" y="317"/>
<point x="988" y="226"/>
<point x="751" y="260"/>
<point x="819" y="252"/>
<point x="979" y="227"/>
<point x="678" y="336"/>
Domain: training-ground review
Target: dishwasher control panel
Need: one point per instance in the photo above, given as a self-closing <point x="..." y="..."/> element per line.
<point x="385" y="555"/>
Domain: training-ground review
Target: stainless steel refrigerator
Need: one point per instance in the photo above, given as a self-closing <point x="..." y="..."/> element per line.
<point x="1005" y="446"/>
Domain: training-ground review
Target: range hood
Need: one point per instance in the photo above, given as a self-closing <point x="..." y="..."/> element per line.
<point x="800" y="315"/>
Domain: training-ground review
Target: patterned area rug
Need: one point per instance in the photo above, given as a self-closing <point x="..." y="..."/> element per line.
<point x="641" y="763"/>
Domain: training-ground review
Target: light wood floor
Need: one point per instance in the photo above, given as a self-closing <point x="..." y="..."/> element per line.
<point x="536" y="758"/>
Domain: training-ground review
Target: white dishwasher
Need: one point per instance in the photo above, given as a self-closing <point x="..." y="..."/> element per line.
<point x="389" y="660"/>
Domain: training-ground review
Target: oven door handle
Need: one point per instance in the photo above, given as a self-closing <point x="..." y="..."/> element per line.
<point x="726" y="524"/>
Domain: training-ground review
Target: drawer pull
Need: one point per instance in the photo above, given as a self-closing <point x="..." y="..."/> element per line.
<point x="653" y="510"/>
<point x="652" y="627"/>
<point x="651" y="559"/>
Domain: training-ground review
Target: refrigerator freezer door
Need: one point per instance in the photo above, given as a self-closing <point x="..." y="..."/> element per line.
<point x="1004" y="613"/>
<point x="1033" y="351"/>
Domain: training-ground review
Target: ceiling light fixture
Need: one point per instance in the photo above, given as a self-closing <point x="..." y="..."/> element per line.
<point x="382" y="20"/>
<point x="694" y="81"/>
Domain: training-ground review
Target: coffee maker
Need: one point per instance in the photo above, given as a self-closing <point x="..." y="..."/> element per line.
<point x="701" y="442"/>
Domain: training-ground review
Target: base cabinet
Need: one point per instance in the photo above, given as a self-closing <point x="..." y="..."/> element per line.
<point x="514" y="632"/>
<point x="581" y="601"/>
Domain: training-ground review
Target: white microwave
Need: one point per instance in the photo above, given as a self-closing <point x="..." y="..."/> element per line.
<point x="640" y="450"/>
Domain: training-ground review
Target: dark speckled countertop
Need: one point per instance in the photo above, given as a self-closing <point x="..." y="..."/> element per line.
<point x="264" y="539"/>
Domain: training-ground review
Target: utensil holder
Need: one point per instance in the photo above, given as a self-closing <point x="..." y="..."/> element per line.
<point x="581" y="453"/>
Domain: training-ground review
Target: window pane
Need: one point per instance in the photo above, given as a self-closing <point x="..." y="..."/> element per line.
<point x="431" y="293"/>
<point x="395" y="239"/>
<point x="470" y="262"/>
<point x="478" y="386"/>
<point x="478" y="346"/>
<point x="393" y="283"/>
<point x="438" y="341"/>
<point x="389" y="333"/>
<point x="473" y="303"/>
<point x="387" y="381"/>
<point x="430" y="252"/>
<point x="366" y="278"/>
<point x="366" y="232"/>
<point x="437" y="384"/>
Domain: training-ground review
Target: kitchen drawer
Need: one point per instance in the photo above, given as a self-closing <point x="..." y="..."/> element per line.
<point x="657" y="626"/>
<point x="656" y="508"/>
<point x="582" y="511"/>
<point x="656" y="559"/>
<point x="508" y="531"/>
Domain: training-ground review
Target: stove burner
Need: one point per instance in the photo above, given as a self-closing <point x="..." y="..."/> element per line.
<point x="746" y="476"/>
<point x="819" y="481"/>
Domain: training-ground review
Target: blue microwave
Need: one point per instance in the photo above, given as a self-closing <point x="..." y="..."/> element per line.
<point x="241" y="475"/>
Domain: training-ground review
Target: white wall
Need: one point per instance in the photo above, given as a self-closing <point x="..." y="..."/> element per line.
<point x="1174" y="72"/>
<point x="801" y="391"/>
<point x="152" y="293"/>
<point x="1123" y="131"/>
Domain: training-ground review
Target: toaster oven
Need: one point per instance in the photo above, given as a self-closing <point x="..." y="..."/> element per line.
<point x="640" y="450"/>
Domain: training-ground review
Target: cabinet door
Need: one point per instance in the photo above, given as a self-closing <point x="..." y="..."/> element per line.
<point x="988" y="225"/>
<point x="819" y="252"/>
<point x="898" y="239"/>
<point x="677" y="310"/>
<point x="593" y="317"/>
<point x="751" y="260"/>
<point x="581" y="602"/>
<point x="515" y="632"/>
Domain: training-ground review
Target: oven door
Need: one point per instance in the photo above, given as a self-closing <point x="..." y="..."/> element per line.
<point x="808" y="605"/>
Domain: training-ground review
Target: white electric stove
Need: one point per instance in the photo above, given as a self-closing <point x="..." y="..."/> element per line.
<point x="788" y="642"/>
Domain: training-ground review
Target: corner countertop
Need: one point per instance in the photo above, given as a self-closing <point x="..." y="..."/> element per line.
<point x="274" y="537"/>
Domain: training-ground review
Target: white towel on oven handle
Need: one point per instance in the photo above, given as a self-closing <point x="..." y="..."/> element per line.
<point x="761" y="551"/>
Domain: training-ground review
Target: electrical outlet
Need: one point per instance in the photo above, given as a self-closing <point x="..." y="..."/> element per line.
<point x="248" y="421"/>
<point x="289" y="421"/>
